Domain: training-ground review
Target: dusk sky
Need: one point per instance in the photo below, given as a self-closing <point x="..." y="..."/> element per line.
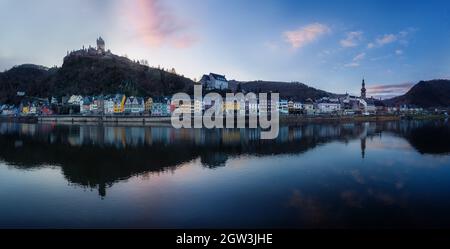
<point x="329" y="45"/>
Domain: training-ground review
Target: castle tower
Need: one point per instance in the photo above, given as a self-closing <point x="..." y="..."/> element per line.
<point x="100" y="45"/>
<point x="363" y="90"/>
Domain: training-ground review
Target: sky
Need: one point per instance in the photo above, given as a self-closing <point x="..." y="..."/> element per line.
<point x="330" y="45"/>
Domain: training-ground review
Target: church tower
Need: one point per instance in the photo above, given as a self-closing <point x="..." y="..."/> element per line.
<point x="363" y="90"/>
<point x="100" y="45"/>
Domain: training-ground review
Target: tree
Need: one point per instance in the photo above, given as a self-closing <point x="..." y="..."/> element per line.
<point x="239" y="88"/>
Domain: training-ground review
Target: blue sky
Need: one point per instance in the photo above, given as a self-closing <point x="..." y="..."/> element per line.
<point x="330" y="45"/>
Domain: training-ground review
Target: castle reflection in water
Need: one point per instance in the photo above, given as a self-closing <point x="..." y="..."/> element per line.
<point x="123" y="137"/>
<point x="98" y="155"/>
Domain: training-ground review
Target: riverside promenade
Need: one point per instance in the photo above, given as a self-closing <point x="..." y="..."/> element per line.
<point x="152" y="120"/>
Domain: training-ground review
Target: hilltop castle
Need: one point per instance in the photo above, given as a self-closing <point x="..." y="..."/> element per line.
<point x="100" y="45"/>
<point x="100" y="50"/>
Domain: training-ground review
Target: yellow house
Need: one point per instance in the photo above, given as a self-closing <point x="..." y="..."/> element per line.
<point x="119" y="103"/>
<point x="148" y="105"/>
<point x="25" y="109"/>
<point x="231" y="106"/>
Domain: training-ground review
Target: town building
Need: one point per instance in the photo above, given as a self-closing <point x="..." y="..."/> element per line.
<point x="75" y="100"/>
<point x="161" y="107"/>
<point x="214" y="81"/>
<point x="46" y="110"/>
<point x="33" y="109"/>
<point x="252" y="107"/>
<point x="85" y="105"/>
<point x="351" y="105"/>
<point x="148" y="106"/>
<point x="97" y="105"/>
<point x="232" y="107"/>
<point x="370" y="107"/>
<point x="108" y="105"/>
<point x="134" y="105"/>
<point x="327" y="105"/>
<point x="283" y="106"/>
<point x="363" y="89"/>
<point x="297" y="107"/>
<point x="25" y="109"/>
<point x="197" y="106"/>
<point x="308" y="107"/>
<point x="119" y="103"/>
<point x="10" y="110"/>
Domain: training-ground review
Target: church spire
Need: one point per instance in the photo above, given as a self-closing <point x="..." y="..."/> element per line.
<point x="363" y="89"/>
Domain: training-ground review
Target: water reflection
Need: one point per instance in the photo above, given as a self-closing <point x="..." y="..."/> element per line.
<point x="99" y="156"/>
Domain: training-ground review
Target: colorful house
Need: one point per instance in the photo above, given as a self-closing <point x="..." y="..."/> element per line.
<point x="308" y="107"/>
<point x="96" y="106"/>
<point x="231" y="107"/>
<point x="46" y="110"/>
<point x="134" y="105"/>
<point x="33" y="109"/>
<point x="148" y="105"/>
<point x="108" y="105"/>
<point x="119" y="103"/>
<point x="10" y="111"/>
<point x="284" y="106"/>
<point x="25" y="109"/>
<point x="75" y="100"/>
<point x="85" y="105"/>
<point x="161" y="107"/>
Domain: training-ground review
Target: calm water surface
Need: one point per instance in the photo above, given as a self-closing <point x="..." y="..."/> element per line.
<point x="364" y="175"/>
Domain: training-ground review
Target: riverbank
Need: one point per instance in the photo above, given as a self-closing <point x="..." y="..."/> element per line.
<point x="103" y="119"/>
<point x="151" y="120"/>
<point x="327" y="119"/>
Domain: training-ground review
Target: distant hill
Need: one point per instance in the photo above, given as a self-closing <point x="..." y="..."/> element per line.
<point x="433" y="93"/>
<point x="288" y="90"/>
<point x="89" y="75"/>
<point x="32" y="79"/>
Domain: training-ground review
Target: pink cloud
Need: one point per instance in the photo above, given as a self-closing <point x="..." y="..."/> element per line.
<point x="389" y="90"/>
<point x="356" y="60"/>
<point x="156" y="24"/>
<point x="391" y="38"/>
<point x="305" y="35"/>
<point x="352" y="39"/>
<point x="386" y="39"/>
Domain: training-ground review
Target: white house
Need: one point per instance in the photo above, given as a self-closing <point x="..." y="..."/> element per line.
<point x="134" y="105"/>
<point x="283" y="106"/>
<point x="108" y="105"/>
<point x="85" y="104"/>
<point x="214" y="81"/>
<point x="308" y="106"/>
<point x="370" y="107"/>
<point x="75" y="100"/>
<point x="298" y="105"/>
<point x="33" y="109"/>
<point x="327" y="105"/>
<point x="353" y="104"/>
<point x="197" y="106"/>
<point x="252" y="107"/>
<point x="54" y="101"/>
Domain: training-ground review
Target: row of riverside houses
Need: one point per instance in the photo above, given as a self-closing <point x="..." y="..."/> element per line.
<point x="119" y="104"/>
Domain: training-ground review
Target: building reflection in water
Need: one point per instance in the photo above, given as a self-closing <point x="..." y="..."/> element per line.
<point x="98" y="156"/>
